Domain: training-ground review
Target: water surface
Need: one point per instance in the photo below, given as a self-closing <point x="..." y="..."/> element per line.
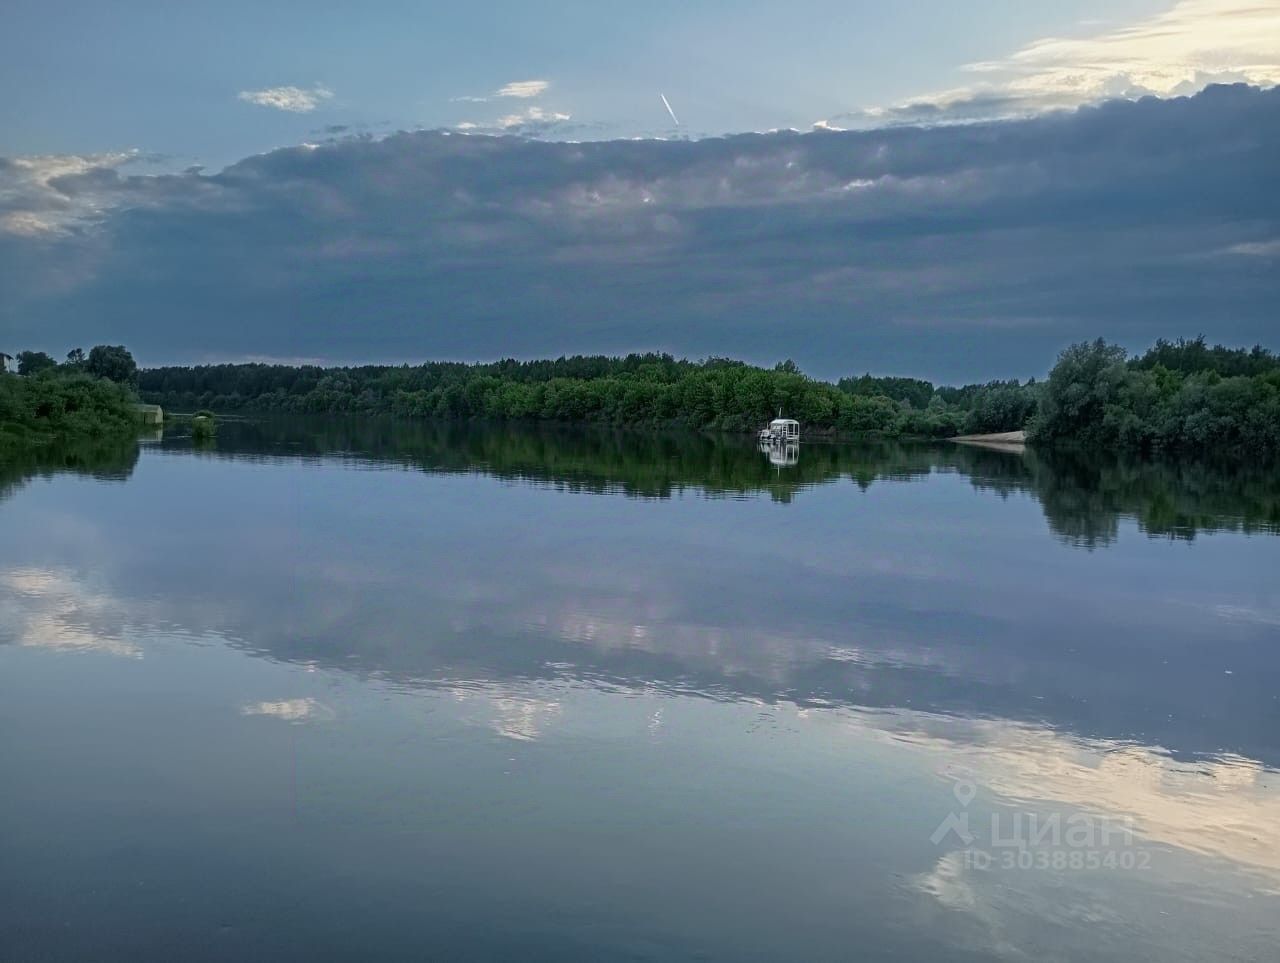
<point x="341" y="689"/>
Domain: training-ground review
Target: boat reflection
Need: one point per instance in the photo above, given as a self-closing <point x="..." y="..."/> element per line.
<point x="781" y="454"/>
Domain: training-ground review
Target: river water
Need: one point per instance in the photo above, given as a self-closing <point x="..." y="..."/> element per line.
<point x="364" y="689"/>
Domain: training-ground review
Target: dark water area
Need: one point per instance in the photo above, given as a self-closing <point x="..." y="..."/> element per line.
<point x="334" y="688"/>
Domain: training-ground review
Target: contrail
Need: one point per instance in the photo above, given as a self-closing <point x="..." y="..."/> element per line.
<point x="667" y="104"/>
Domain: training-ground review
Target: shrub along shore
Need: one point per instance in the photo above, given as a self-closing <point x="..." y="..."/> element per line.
<point x="1180" y="395"/>
<point x="58" y="406"/>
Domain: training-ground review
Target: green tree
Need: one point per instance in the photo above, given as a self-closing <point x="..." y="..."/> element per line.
<point x="33" y="362"/>
<point x="1087" y="380"/>
<point x="113" y="362"/>
<point x="75" y="358"/>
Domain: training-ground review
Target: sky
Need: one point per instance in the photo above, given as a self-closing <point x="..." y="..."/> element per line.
<point x="951" y="191"/>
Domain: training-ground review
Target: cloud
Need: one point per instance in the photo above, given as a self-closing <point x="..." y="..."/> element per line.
<point x="1256" y="248"/>
<point x="1177" y="52"/>
<point x="33" y="204"/>
<point x="533" y="121"/>
<point x="296" y="100"/>
<point x="971" y="250"/>
<point x="523" y="88"/>
<point x="55" y="610"/>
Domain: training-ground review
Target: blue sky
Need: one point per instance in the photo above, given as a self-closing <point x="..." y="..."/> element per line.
<point x="164" y="78"/>
<point x="966" y="191"/>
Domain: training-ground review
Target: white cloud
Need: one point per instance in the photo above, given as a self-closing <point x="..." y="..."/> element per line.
<point x="1256" y="248"/>
<point x="1177" y="52"/>
<point x="296" y="100"/>
<point x="532" y="116"/>
<point x="523" y="88"/>
<point x="32" y="204"/>
<point x="1180" y="51"/>
<point x="58" y="611"/>
<point x="531" y="121"/>
<point x="27" y="224"/>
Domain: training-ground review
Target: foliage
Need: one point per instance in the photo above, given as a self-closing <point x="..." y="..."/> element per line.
<point x="33" y="362"/>
<point x="1178" y="395"/>
<point x="1084" y="384"/>
<point x="640" y="390"/>
<point x="107" y="458"/>
<point x="204" y="425"/>
<point x="1000" y="406"/>
<point x="913" y="391"/>
<point x="113" y="362"/>
<point x="1189" y="357"/>
<point x="1094" y="398"/>
<point x="41" y="409"/>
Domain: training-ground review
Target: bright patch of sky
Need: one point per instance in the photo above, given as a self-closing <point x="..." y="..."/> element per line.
<point x="208" y="84"/>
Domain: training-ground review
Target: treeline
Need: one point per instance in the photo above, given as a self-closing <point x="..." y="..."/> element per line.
<point x="640" y="390"/>
<point x="1182" y="395"/>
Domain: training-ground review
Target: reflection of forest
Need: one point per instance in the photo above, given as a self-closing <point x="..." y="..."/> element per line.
<point x="104" y="458"/>
<point x="1084" y="495"/>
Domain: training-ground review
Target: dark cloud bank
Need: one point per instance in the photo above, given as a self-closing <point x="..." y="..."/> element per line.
<point x="953" y="252"/>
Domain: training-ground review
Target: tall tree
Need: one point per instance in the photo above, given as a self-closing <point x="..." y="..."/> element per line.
<point x="33" y="362"/>
<point x="113" y="362"/>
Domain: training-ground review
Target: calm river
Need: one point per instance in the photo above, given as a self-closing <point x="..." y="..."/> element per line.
<point x="364" y="690"/>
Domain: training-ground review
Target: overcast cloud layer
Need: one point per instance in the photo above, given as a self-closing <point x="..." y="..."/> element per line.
<point x="949" y="251"/>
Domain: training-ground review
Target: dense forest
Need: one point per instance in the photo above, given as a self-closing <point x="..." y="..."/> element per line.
<point x="1178" y="395"/>
<point x="640" y="390"/>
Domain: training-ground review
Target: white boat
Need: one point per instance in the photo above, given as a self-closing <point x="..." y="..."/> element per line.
<point x="781" y="431"/>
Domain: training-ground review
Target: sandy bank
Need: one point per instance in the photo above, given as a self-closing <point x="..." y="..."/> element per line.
<point x="1015" y="441"/>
